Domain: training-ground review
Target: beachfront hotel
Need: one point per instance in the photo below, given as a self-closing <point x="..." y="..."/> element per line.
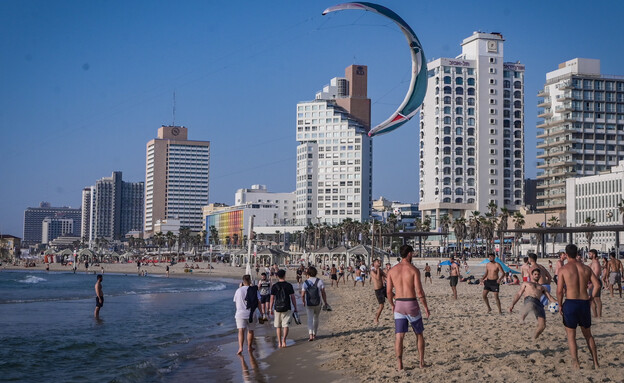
<point x="472" y="131"/>
<point x="582" y="129"/>
<point x="111" y="208"/>
<point x="176" y="179"/>
<point x="34" y="216"/>
<point x="595" y="197"/>
<point x="334" y="152"/>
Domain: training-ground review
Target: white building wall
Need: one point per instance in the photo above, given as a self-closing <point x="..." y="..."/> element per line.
<point x="285" y="202"/>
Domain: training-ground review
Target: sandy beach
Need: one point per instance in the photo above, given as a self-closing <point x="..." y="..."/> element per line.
<point x="463" y="342"/>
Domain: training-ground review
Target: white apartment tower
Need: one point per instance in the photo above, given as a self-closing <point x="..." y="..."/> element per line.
<point x="582" y="129"/>
<point x="472" y="131"/>
<point x="176" y="179"/>
<point x="334" y="155"/>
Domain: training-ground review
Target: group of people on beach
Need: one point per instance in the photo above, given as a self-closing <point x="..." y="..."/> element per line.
<point x="578" y="295"/>
<point x="277" y="301"/>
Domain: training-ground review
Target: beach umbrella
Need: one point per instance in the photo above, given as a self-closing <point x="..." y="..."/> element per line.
<point x="504" y="266"/>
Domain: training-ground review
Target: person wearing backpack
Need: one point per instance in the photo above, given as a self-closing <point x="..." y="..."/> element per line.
<point x="282" y="296"/>
<point x="246" y="305"/>
<point x="312" y="291"/>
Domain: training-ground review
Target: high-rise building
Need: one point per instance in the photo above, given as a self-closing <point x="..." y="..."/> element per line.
<point x="472" y="131"/>
<point x="335" y="154"/>
<point x="176" y="178"/>
<point x="582" y="129"/>
<point x="34" y="216"/>
<point x="53" y="228"/>
<point x="112" y="208"/>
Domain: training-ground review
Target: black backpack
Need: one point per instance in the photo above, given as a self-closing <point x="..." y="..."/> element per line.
<point x="281" y="299"/>
<point x="251" y="301"/>
<point x="313" y="295"/>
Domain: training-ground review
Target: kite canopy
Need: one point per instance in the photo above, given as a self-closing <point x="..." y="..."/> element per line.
<point x="445" y="263"/>
<point x="418" y="84"/>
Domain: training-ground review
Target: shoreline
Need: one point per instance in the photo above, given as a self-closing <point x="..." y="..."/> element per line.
<point x="463" y="342"/>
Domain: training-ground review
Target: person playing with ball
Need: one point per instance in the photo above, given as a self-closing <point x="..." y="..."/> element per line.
<point x="575" y="310"/>
<point x="533" y="291"/>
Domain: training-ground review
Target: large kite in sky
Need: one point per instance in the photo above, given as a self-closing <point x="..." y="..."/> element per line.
<point x="418" y="84"/>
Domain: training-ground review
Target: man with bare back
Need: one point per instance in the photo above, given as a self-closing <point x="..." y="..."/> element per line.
<point x="615" y="271"/>
<point x="533" y="291"/>
<point x="575" y="310"/>
<point x="404" y="279"/>
<point x="558" y="265"/>
<point x="525" y="269"/>
<point x="596" y="301"/>
<point x="491" y="281"/>
<point x="378" y="277"/>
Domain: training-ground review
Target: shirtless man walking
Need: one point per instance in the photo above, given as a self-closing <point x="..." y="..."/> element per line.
<point x="573" y="280"/>
<point x="545" y="277"/>
<point x="404" y="279"/>
<point x="378" y="278"/>
<point x="533" y="292"/>
<point x="596" y="302"/>
<point x="615" y="271"/>
<point x="491" y="281"/>
<point x="454" y="276"/>
<point x="99" y="297"/>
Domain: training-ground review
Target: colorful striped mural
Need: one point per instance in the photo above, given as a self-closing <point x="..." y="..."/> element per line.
<point x="228" y="224"/>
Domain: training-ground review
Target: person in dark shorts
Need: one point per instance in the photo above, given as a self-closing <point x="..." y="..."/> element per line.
<point x="454" y="276"/>
<point x="264" y="288"/>
<point x="533" y="292"/>
<point x="491" y="281"/>
<point x="378" y="279"/>
<point x="575" y="310"/>
<point x="428" y="273"/>
<point x="99" y="296"/>
<point x="333" y="274"/>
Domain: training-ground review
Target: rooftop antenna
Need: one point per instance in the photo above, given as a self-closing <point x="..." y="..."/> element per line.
<point x="174" y="108"/>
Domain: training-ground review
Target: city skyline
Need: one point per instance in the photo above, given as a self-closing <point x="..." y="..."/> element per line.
<point x="88" y="83"/>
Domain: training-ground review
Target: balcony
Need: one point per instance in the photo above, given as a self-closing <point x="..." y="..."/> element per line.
<point x="544" y="102"/>
<point x="543" y="93"/>
<point x="547" y="112"/>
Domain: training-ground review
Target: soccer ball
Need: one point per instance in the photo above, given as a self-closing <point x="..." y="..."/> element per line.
<point x="553" y="307"/>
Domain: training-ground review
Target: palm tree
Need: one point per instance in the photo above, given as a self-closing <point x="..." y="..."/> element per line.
<point x="553" y="222"/>
<point x="487" y="230"/>
<point x="459" y="228"/>
<point x="184" y="236"/>
<point x="171" y="240"/>
<point x="159" y="240"/>
<point x="202" y="238"/>
<point x="519" y="222"/>
<point x="474" y="229"/>
<point x="214" y="235"/>
<point x="501" y="227"/>
<point x="589" y="222"/>
<point x="445" y="223"/>
<point x="539" y="238"/>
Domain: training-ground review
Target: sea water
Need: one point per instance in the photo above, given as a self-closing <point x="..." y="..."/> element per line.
<point x="151" y="329"/>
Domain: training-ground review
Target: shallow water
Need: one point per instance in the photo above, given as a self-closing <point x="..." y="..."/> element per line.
<point x="152" y="329"/>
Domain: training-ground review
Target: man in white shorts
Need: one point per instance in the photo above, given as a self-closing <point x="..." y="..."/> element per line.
<point x="244" y="320"/>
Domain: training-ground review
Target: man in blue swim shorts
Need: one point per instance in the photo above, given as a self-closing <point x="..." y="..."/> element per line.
<point x="404" y="285"/>
<point x="575" y="310"/>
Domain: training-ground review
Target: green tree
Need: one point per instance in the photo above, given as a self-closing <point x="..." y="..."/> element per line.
<point x="553" y="222"/>
<point x="589" y="235"/>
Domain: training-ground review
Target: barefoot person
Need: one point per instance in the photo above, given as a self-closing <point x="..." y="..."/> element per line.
<point x="282" y="302"/>
<point x="99" y="296"/>
<point x="404" y="279"/>
<point x="454" y="277"/>
<point x="596" y="302"/>
<point x="558" y="265"/>
<point x="428" y="273"/>
<point x="491" y="281"/>
<point x="378" y="277"/>
<point x="245" y="317"/>
<point x="545" y="277"/>
<point x="615" y="271"/>
<point x="264" y="287"/>
<point x="333" y="275"/>
<point x="573" y="280"/>
<point x="533" y="291"/>
<point x="525" y="270"/>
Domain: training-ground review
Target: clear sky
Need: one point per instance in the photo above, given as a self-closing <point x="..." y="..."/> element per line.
<point x="85" y="84"/>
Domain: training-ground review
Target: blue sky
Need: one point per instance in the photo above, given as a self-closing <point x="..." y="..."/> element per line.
<point x="85" y="84"/>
